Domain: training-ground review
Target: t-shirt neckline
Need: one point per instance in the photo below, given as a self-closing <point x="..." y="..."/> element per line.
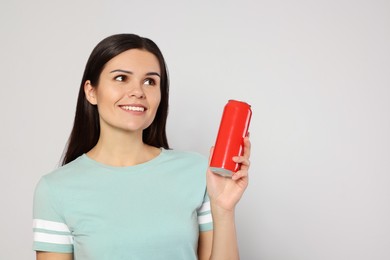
<point x="153" y="161"/>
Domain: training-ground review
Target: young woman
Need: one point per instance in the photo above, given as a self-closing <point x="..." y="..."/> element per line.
<point x="121" y="192"/>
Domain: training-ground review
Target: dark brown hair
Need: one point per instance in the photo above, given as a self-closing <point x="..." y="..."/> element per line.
<point x="86" y="127"/>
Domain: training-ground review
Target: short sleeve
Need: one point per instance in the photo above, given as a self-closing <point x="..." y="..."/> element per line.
<point x="205" y="219"/>
<point x="51" y="234"/>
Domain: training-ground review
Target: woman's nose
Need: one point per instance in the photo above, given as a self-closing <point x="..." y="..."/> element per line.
<point x="135" y="90"/>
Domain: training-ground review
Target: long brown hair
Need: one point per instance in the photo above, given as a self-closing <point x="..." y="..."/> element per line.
<point x="86" y="127"/>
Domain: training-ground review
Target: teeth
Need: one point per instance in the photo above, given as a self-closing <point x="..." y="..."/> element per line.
<point x="130" y="108"/>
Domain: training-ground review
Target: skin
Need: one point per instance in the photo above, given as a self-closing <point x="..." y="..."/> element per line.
<point x="132" y="79"/>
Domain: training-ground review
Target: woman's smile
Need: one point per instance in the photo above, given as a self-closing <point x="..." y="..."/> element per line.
<point x="133" y="108"/>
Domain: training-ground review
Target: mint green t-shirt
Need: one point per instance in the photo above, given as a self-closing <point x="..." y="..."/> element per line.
<point x="153" y="210"/>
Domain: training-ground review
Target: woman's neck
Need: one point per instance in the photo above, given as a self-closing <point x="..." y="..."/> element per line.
<point x="122" y="149"/>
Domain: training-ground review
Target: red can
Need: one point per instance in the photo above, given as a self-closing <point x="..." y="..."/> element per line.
<point x="233" y="128"/>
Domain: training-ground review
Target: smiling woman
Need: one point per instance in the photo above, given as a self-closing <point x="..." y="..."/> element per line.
<point x="121" y="192"/>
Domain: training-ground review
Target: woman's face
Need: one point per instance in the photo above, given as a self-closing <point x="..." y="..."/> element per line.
<point x="128" y="93"/>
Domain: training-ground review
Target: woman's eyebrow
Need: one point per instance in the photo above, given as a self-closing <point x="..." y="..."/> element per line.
<point x="130" y="72"/>
<point x="153" y="74"/>
<point x="124" y="71"/>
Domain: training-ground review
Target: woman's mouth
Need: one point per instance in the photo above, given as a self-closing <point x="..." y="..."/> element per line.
<point x="133" y="108"/>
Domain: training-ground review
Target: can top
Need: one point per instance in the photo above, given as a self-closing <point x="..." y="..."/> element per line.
<point x="238" y="102"/>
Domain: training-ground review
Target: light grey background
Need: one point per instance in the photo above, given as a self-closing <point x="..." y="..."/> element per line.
<point x="317" y="74"/>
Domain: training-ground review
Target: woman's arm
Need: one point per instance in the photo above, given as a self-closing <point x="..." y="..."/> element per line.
<point x="221" y="242"/>
<point x="53" y="256"/>
<point x="224" y="193"/>
<point x="205" y="245"/>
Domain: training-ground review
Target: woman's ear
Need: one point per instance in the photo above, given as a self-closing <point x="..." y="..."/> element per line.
<point x="90" y="92"/>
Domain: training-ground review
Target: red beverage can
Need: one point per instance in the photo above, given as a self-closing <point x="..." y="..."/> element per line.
<point x="233" y="128"/>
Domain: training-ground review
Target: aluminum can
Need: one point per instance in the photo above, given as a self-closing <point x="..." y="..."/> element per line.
<point x="233" y="128"/>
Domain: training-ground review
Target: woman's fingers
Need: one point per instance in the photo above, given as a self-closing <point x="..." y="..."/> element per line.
<point x="243" y="160"/>
<point x="239" y="175"/>
<point x="243" y="172"/>
<point x="247" y="147"/>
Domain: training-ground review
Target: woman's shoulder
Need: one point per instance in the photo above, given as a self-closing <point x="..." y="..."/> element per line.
<point x="185" y="155"/>
<point x="66" y="171"/>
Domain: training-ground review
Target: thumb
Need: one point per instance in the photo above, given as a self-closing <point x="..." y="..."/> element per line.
<point x="211" y="154"/>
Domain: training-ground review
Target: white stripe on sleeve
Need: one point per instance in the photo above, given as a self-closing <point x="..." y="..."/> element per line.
<point x="50" y="225"/>
<point x="53" y="239"/>
<point x="204" y="219"/>
<point x="205" y="207"/>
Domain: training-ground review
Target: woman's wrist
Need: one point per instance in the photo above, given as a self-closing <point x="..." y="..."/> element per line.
<point x="220" y="213"/>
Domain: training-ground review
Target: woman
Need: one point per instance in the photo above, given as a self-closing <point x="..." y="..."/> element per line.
<point x="121" y="192"/>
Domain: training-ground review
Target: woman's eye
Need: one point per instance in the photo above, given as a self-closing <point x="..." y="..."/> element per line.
<point x="120" y="78"/>
<point x="149" y="82"/>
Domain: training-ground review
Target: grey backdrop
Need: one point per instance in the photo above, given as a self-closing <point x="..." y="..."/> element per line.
<point x="317" y="74"/>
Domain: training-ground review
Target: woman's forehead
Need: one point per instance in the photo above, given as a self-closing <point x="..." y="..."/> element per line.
<point x="134" y="59"/>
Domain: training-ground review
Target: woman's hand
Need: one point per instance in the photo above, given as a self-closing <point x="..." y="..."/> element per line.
<point x="226" y="192"/>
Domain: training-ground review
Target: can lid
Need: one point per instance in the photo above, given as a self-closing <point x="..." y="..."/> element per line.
<point x="239" y="102"/>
